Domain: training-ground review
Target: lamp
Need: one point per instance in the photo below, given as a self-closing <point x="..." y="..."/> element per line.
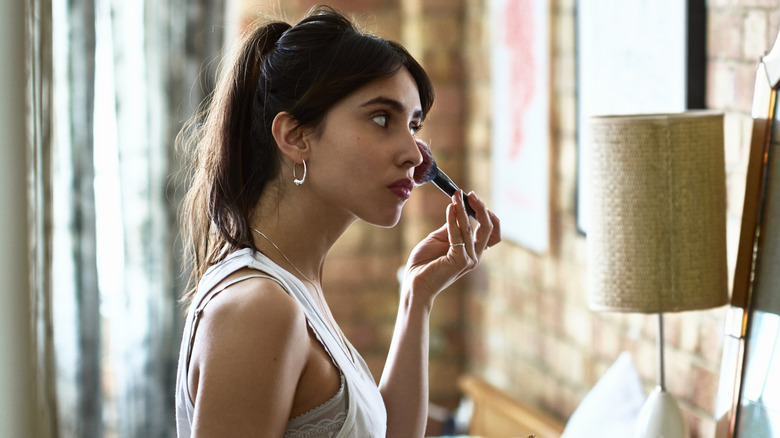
<point x="657" y="231"/>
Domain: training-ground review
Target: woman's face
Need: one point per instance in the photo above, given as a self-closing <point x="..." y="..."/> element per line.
<point x="363" y="158"/>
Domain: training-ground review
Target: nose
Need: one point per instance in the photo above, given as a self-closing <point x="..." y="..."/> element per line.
<point x="410" y="154"/>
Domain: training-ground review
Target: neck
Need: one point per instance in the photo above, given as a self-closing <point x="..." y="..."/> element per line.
<point x="277" y="250"/>
<point x="298" y="234"/>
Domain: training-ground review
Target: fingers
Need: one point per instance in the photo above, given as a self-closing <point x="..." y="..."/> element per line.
<point x="495" y="235"/>
<point x="454" y="233"/>
<point x="462" y="238"/>
<point x="486" y="225"/>
<point x="464" y="223"/>
<point x="455" y="248"/>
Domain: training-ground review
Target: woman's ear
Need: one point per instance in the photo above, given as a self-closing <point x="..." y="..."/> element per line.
<point x="290" y="137"/>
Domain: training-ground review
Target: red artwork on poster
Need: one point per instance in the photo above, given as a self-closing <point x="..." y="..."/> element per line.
<point x="518" y="38"/>
<point x="520" y="112"/>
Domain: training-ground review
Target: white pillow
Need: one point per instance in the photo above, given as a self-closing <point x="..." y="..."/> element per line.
<point x="612" y="406"/>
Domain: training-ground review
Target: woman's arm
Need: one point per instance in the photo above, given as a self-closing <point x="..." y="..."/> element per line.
<point x="249" y="353"/>
<point x="404" y="383"/>
<point x="434" y="264"/>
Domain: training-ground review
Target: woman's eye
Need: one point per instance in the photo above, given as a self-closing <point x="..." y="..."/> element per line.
<point x="415" y="128"/>
<point x="380" y="120"/>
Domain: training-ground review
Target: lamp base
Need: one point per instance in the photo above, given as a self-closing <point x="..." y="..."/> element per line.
<point x="661" y="417"/>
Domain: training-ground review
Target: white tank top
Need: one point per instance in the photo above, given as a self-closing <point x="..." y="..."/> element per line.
<point x="365" y="416"/>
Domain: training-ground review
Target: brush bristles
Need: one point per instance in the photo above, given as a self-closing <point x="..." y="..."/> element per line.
<point x="427" y="170"/>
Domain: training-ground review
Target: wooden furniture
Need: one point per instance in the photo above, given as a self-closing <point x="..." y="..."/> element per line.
<point x="498" y="415"/>
<point x="754" y="300"/>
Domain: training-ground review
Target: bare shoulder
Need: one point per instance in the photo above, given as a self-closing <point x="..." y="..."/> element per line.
<point x="249" y="351"/>
<point x="255" y="302"/>
<point x="255" y="311"/>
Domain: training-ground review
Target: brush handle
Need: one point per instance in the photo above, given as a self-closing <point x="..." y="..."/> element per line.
<point x="445" y="184"/>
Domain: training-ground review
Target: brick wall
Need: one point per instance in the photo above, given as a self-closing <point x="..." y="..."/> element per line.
<point x="530" y="331"/>
<point x="522" y="320"/>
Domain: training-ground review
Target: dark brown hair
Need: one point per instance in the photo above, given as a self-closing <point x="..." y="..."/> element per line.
<point x="304" y="70"/>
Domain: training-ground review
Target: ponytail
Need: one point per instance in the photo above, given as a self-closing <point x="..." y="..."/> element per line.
<point x="229" y="170"/>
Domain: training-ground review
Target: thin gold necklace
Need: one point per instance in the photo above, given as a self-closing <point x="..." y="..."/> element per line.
<point x="285" y="257"/>
<point x="333" y="324"/>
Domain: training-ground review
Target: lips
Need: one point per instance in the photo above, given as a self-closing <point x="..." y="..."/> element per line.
<point x="402" y="188"/>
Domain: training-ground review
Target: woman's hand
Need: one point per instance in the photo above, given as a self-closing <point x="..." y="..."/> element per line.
<point x="435" y="263"/>
<point x="451" y="251"/>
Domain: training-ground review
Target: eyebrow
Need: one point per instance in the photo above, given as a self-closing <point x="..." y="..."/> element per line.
<point x="394" y="104"/>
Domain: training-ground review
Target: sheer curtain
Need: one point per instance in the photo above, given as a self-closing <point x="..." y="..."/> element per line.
<point x="112" y="82"/>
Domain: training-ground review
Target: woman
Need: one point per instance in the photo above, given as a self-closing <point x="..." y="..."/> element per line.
<point x="313" y="128"/>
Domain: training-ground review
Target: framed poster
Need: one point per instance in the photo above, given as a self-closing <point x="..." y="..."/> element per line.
<point x="520" y="111"/>
<point x="635" y="57"/>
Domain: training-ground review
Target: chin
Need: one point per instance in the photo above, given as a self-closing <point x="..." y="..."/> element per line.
<point x="386" y="221"/>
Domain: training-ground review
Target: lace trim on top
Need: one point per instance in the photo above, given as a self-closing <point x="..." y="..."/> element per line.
<point x="324" y="421"/>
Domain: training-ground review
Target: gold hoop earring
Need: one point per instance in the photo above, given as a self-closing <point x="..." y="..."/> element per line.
<point x="303" y="178"/>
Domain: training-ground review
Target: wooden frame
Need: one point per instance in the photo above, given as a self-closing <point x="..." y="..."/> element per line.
<point x="498" y="415"/>
<point x="739" y="314"/>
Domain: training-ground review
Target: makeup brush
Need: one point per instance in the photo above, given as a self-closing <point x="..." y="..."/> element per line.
<point x="428" y="171"/>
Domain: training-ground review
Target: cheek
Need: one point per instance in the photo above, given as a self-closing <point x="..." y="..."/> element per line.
<point x="350" y="158"/>
<point x="341" y="165"/>
<point x="358" y="157"/>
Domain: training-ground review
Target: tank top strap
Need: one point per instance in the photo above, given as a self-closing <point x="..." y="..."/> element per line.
<point x="206" y="298"/>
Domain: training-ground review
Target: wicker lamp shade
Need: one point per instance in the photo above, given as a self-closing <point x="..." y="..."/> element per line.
<point x="657" y="232"/>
